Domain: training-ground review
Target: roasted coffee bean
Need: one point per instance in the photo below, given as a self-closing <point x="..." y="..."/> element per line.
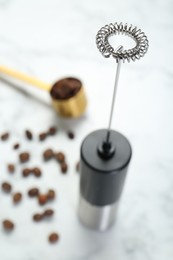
<point x="34" y="192"/>
<point x="42" y="136"/>
<point x="48" y="213"/>
<point x="11" y="168"/>
<point x="5" y="136"/>
<point x="37" y="217"/>
<point x="51" y="195"/>
<point x="54" y="237"/>
<point x="29" y="135"/>
<point x="24" y="157"/>
<point x="6" y="187"/>
<point x="52" y="130"/>
<point x="77" y="166"/>
<point x="48" y="154"/>
<point x="26" y="172"/>
<point x="42" y="199"/>
<point x="71" y="135"/>
<point x="60" y="157"/>
<point x="8" y="225"/>
<point x="16" y="146"/>
<point x="36" y="171"/>
<point x="64" y="167"/>
<point x="17" y="197"/>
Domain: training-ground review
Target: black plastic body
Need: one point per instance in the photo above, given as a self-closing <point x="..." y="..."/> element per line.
<point x="102" y="180"/>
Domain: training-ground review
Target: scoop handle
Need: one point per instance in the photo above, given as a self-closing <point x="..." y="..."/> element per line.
<point x="25" y="78"/>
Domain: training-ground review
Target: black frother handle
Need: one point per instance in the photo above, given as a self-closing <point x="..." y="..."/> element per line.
<point x="101" y="189"/>
<point x="102" y="179"/>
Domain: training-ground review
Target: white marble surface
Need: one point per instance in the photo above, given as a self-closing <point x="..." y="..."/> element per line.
<point x="51" y="39"/>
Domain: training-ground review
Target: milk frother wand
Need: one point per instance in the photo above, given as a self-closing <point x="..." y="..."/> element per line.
<point x="105" y="153"/>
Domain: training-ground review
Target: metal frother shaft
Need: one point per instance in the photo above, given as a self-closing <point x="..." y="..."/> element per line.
<point x="105" y="153"/>
<point x="113" y="98"/>
<point x="106" y="149"/>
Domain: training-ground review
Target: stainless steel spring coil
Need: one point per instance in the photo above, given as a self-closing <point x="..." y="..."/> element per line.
<point x="125" y="55"/>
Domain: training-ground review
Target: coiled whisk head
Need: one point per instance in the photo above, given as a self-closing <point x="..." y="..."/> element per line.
<point x="125" y="55"/>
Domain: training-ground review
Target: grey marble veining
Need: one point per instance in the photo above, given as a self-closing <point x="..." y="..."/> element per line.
<point x="49" y="40"/>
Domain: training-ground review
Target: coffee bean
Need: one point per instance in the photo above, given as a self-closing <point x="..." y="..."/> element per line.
<point x="48" y="213"/>
<point x="37" y="172"/>
<point x="42" y="136"/>
<point x="64" y="167"/>
<point x="17" y="197"/>
<point x="34" y="192"/>
<point x="24" y="157"/>
<point x="29" y="135"/>
<point x="54" y="237"/>
<point x="77" y="166"/>
<point x="52" y="130"/>
<point x="8" y="225"/>
<point x="11" y="168"/>
<point x="48" y="154"/>
<point x="71" y="135"/>
<point x="51" y="195"/>
<point x="26" y="172"/>
<point x="5" y="136"/>
<point x="37" y="217"/>
<point x="6" y="187"/>
<point x="60" y="157"/>
<point x="42" y="199"/>
<point x="16" y="146"/>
